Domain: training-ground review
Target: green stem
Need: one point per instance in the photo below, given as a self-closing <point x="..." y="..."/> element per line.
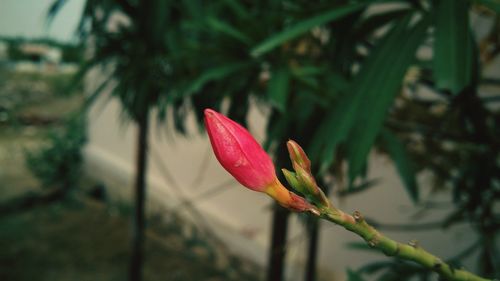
<point x="410" y="251"/>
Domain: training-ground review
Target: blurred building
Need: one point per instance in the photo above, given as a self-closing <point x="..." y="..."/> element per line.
<point x="41" y="53"/>
<point x="38" y="57"/>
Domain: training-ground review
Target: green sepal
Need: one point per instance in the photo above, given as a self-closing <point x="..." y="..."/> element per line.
<point x="294" y="182"/>
<point x="312" y="191"/>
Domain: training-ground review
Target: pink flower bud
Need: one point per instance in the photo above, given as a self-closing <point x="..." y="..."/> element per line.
<point x="238" y="152"/>
<point x="242" y="156"/>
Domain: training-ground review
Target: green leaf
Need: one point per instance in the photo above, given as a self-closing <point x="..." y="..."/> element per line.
<point x="403" y="164"/>
<point x="353" y="275"/>
<point x="378" y="82"/>
<point x="452" y="46"/>
<point x="212" y="74"/>
<point x="307" y="70"/>
<point x="237" y="8"/>
<point x="303" y="27"/>
<point x="332" y="130"/>
<point x="225" y="28"/>
<point x="279" y="88"/>
<point x="393" y="55"/>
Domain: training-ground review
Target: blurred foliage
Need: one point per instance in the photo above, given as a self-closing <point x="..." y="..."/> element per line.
<point x="340" y="78"/>
<point x="14" y="52"/>
<point x="72" y="53"/>
<point x="58" y="164"/>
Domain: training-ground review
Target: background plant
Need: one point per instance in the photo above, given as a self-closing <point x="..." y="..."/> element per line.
<point x="58" y="164"/>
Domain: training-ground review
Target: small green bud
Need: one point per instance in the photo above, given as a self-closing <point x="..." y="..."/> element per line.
<point x="302" y="180"/>
<point x="311" y="188"/>
<point x="298" y="156"/>
<point x="306" y="179"/>
<point x="294" y="182"/>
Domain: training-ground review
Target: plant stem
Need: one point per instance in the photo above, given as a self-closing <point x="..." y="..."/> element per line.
<point x="312" y="252"/>
<point x="277" y="251"/>
<point x="410" y="251"/>
<point x="138" y="224"/>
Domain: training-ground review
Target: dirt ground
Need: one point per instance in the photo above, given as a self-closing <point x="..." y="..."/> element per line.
<point x="81" y="238"/>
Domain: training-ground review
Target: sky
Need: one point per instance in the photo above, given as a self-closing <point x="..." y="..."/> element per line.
<point x="27" y="18"/>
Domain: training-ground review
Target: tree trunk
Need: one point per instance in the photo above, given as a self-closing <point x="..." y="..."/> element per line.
<point x="136" y="258"/>
<point x="312" y="252"/>
<point x="277" y="250"/>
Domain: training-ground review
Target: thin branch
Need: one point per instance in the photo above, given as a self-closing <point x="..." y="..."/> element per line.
<point x="411" y="251"/>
